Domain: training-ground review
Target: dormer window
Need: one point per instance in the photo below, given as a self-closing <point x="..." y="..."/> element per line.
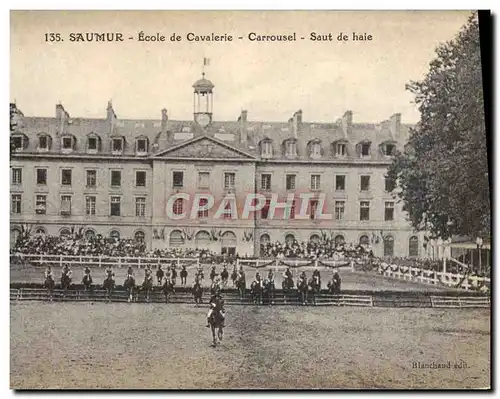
<point x="291" y="148"/>
<point x="389" y="150"/>
<point x="341" y="149"/>
<point x="141" y="146"/>
<point x="364" y="149"/>
<point x="43" y="142"/>
<point x="117" y="145"/>
<point x="93" y="143"/>
<point x="266" y="148"/>
<point x="19" y="142"/>
<point x="67" y="143"/>
<point x="315" y="149"/>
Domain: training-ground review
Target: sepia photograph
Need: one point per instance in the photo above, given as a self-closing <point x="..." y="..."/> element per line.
<point x="257" y="200"/>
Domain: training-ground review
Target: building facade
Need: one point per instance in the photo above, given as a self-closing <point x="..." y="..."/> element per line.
<point x="145" y="179"/>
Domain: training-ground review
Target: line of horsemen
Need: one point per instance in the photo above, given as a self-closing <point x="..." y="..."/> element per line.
<point x="167" y="280"/>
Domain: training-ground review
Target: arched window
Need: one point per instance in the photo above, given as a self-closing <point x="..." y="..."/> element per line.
<point x="315" y="239"/>
<point x="114" y="234"/>
<point x="364" y="240"/>
<point x="264" y="241"/>
<point x="40" y="231"/>
<point x="139" y="236"/>
<point x="339" y="240"/>
<point x="14" y="236"/>
<point x="289" y="239"/>
<point x="178" y="206"/>
<point x="176" y="239"/>
<point x="388" y="246"/>
<point x="202" y="239"/>
<point x="413" y="246"/>
<point x="89" y="234"/>
<point x="228" y="243"/>
<point x="64" y="233"/>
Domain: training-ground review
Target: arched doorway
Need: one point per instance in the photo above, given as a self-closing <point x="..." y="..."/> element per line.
<point x="339" y="240"/>
<point x="289" y="239"/>
<point x="14" y="236"/>
<point x="413" y="246"/>
<point x="89" y="234"/>
<point x="40" y="231"/>
<point x="364" y="240"/>
<point x="202" y="240"/>
<point x="65" y="233"/>
<point x="115" y="234"/>
<point x="176" y="239"/>
<point x="315" y="239"/>
<point x="228" y="243"/>
<point x="264" y="241"/>
<point x="139" y="236"/>
<point x="388" y="246"/>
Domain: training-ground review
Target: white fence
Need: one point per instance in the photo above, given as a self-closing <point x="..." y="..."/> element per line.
<point x="282" y="263"/>
<point x="100" y="261"/>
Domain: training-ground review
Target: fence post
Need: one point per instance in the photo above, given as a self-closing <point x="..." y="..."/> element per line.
<point x="139" y="262"/>
<point x="352" y="265"/>
<point x="315" y="263"/>
<point x="60" y="261"/>
<point x="119" y="263"/>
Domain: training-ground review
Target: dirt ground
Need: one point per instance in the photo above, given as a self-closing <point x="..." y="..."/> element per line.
<point x="357" y="280"/>
<point x="86" y="345"/>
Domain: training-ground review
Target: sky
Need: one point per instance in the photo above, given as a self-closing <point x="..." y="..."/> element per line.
<point x="270" y="80"/>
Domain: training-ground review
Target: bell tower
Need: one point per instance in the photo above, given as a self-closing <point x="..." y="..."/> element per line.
<point x="203" y="101"/>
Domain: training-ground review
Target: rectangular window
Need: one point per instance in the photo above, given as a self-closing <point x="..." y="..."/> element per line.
<point x="290" y="182"/>
<point x="90" y="201"/>
<point x="178" y="206"/>
<point x="140" y="178"/>
<point x="365" y="183"/>
<point x="264" y="212"/>
<point x="313" y="209"/>
<point x="203" y="214"/>
<point x="17" y="176"/>
<point x="267" y="149"/>
<point x="41" y="176"/>
<point x="389" y="184"/>
<point x="339" y="210"/>
<point x="292" y="210"/>
<point x="140" y="206"/>
<point x="389" y="211"/>
<point x="92" y="143"/>
<point x="389" y="149"/>
<point x="41" y="204"/>
<point x="141" y="145"/>
<point x="67" y="143"/>
<point x="291" y="148"/>
<point x="265" y="183"/>
<point x="66" y="205"/>
<point x="203" y="180"/>
<point x="364" y="210"/>
<point x="117" y="145"/>
<point x="66" y="177"/>
<point x="315" y="182"/>
<point x="91" y="178"/>
<point x="115" y="206"/>
<point x="228" y="211"/>
<point x="229" y="180"/>
<point x="365" y="150"/>
<point x="340" y="182"/>
<point x="16" y="203"/>
<point x="341" y="150"/>
<point x="42" y="143"/>
<point x="178" y="179"/>
<point x="116" y="178"/>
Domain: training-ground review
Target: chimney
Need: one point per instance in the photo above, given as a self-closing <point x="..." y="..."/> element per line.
<point x="62" y="117"/>
<point x="164" y="120"/>
<point x="243" y="127"/>
<point x="110" y="116"/>
<point x="395" y="125"/>
<point x="347" y="123"/>
<point x="296" y="123"/>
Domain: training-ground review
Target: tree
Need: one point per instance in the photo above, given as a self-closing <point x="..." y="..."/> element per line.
<point x="443" y="171"/>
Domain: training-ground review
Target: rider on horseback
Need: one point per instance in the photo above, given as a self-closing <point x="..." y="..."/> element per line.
<point x="241" y="273"/>
<point x="48" y="273"/>
<point x="302" y="278"/>
<point x="86" y="273"/>
<point x="110" y="274"/>
<point x="214" y="299"/>
<point x="130" y="272"/>
<point x="148" y="274"/>
<point x="66" y="271"/>
<point x="270" y="275"/>
<point x="288" y="274"/>
<point x="316" y="273"/>
<point x="258" y="279"/>
<point x="159" y="274"/>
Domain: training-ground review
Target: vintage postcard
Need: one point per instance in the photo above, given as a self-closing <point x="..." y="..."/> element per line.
<point x="249" y="200"/>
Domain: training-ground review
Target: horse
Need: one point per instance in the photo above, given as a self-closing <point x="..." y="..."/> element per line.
<point x="334" y="285"/>
<point x="129" y="286"/>
<point x="109" y="285"/>
<point x="241" y="285"/>
<point x="168" y="288"/>
<point x="213" y="273"/>
<point x="314" y="288"/>
<point x="302" y="288"/>
<point x="65" y="282"/>
<point x="184" y="275"/>
<point x="49" y="286"/>
<point x="197" y="292"/>
<point x="147" y="286"/>
<point x="269" y="291"/>
<point x="215" y="322"/>
<point x="234" y="277"/>
<point x="87" y="282"/>
<point x="256" y="291"/>
<point x="224" y="276"/>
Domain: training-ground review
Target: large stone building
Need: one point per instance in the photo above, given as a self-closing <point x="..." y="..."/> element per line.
<point x="115" y="177"/>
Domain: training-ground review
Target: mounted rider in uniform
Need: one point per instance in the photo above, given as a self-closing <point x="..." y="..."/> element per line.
<point x="86" y="273"/>
<point x="48" y="273"/>
<point x="148" y="275"/>
<point x="258" y="279"/>
<point x="302" y="279"/>
<point x="270" y="275"/>
<point x="216" y="296"/>
<point x="109" y="273"/>
<point x="287" y="275"/>
<point x="66" y="272"/>
<point x="130" y="272"/>
<point x="159" y="275"/>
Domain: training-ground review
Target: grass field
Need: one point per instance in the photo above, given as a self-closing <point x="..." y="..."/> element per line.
<point x="86" y="345"/>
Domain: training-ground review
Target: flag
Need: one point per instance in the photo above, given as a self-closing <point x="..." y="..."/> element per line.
<point x="206" y="61"/>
